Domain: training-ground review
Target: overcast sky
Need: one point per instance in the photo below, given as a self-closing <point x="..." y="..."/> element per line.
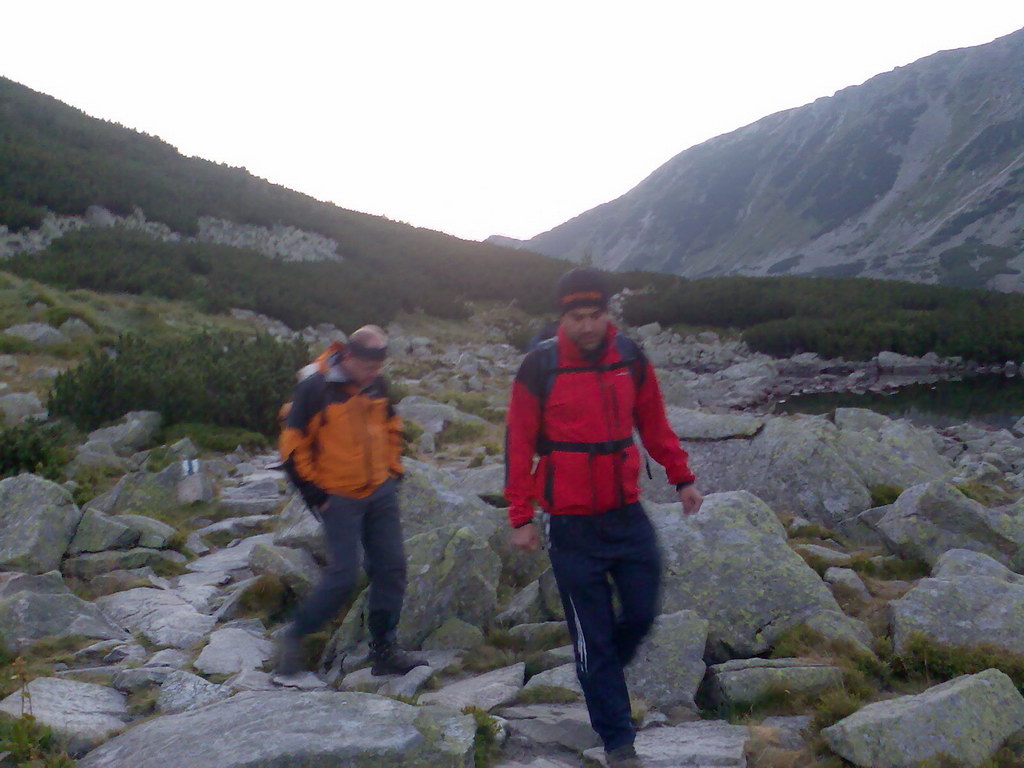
<point x="475" y="117"/>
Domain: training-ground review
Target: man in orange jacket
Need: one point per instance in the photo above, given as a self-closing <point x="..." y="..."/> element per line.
<point x="341" y="447"/>
<point x="576" y="402"/>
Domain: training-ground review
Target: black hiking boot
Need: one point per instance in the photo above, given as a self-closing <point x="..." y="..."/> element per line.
<point x="623" y="757"/>
<point x="389" y="659"/>
<point x="291" y="660"/>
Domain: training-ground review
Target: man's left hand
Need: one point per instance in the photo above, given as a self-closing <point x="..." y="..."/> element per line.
<point x="691" y="499"/>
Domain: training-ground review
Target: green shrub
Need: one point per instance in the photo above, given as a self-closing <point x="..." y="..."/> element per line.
<point x="24" y="742"/>
<point x="547" y="694"/>
<point x="13" y="345"/>
<point x="33" y="447"/>
<point x="217" y="439"/>
<point x="460" y="432"/>
<point x="226" y="380"/>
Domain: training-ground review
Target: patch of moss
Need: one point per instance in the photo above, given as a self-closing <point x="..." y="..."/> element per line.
<point x="547" y="694"/>
<point x="924" y="659"/>
<point x="485" y="740"/>
<point x="883" y="495"/>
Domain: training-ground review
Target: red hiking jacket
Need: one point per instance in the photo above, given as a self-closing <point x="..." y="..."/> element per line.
<point x="588" y="461"/>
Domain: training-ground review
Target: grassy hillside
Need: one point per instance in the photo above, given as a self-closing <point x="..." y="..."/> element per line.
<point x="54" y="157"/>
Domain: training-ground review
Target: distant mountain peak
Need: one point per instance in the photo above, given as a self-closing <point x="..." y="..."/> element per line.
<point x="916" y="174"/>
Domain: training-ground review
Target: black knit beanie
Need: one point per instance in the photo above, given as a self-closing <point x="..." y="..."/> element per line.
<point x="582" y="287"/>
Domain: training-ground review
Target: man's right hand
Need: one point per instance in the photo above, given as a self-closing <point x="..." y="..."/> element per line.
<point x="526" y="537"/>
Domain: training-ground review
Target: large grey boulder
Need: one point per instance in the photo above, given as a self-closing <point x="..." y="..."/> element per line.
<point x="963" y="721"/>
<point x="163" y="617"/>
<point x="85" y="714"/>
<point x="259" y="728"/>
<point x="98" y="532"/>
<point x="37" y="334"/>
<point x="486" y="691"/>
<point x="970" y="600"/>
<point x="731" y="564"/>
<point x="563" y="677"/>
<point x="669" y="664"/>
<point x="34" y="607"/>
<point x="431" y="498"/>
<point x="141" y="493"/>
<point x="432" y="415"/>
<point x="746" y="681"/>
<point x="453" y="572"/>
<point x="296" y="568"/>
<point x="296" y="527"/>
<point x="483" y="481"/>
<point x="233" y="650"/>
<point x="37" y="522"/>
<point x="152" y="533"/>
<point x="18" y="407"/>
<point x="809" y="466"/>
<point x="932" y="518"/>
<point x="136" y="430"/>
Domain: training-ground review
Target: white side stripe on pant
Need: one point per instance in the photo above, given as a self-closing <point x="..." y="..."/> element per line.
<point x="581" y="641"/>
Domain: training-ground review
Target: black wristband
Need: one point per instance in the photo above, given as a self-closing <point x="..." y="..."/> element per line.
<point x="523" y="524"/>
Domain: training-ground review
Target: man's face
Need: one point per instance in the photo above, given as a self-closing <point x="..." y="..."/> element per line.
<point x="360" y="370"/>
<point x="586" y="327"/>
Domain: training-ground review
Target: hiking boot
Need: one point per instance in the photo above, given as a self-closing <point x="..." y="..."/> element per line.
<point x="291" y="660"/>
<point x="389" y="659"/>
<point x="623" y="757"/>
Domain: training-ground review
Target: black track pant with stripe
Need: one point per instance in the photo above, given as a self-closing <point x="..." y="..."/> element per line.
<point x="591" y="555"/>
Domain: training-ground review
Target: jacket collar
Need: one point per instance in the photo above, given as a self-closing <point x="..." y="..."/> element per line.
<point x="570" y="354"/>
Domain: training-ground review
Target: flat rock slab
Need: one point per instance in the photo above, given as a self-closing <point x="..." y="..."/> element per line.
<point x="697" y="425"/>
<point x="285" y="728"/>
<point x="33" y="607"/>
<point x="964" y="720"/>
<point x="181" y="691"/>
<point x="485" y="692"/>
<point x="563" y="725"/>
<point x="93" y="564"/>
<point x="231" y="558"/>
<point x="744" y="681"/>
<point x="232" y="650"/>
<point x="707" y="744"/>
<point x="162" y="617"/>
<point x="85" y="714"/>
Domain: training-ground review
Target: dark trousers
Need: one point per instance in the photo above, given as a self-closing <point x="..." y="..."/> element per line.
<point x="375" y="522"/>
<point x="589" y="555"/>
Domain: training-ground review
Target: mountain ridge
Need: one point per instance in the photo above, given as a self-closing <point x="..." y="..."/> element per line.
<point x="883" y="179"/>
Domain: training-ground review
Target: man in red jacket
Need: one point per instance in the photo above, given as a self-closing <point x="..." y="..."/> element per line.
<point x="575" y="403"/>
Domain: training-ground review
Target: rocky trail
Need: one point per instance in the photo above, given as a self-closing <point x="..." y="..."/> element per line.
<point x="832" y="554"/>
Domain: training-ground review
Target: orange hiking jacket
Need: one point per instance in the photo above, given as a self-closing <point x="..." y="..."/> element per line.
<point x="338" y="439"/>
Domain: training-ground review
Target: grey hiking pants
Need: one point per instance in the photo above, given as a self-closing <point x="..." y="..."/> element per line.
<point x="375" y="522"/>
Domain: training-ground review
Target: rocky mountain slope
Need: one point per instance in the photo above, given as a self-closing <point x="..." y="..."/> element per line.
<point x="917" y="174"/>
<point x="867" y="567"/>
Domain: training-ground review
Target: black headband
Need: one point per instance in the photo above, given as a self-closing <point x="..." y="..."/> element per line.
<point x="366" y="353"/>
